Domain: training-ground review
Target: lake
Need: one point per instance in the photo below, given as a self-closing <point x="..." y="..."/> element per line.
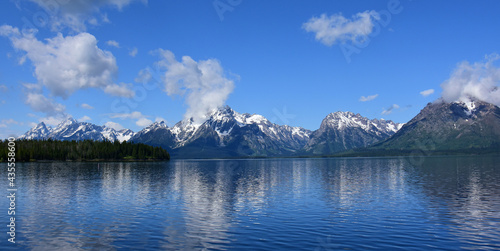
<point x="445" y="203"/>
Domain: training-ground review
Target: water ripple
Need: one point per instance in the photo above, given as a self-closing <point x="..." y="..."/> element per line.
<point x="281" y="204"/>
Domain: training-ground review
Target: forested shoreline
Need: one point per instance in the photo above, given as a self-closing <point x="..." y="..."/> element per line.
<point x="85" y="150"/>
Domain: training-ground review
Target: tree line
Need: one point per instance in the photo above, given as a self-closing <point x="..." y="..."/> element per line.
<point x="84" y="150"/>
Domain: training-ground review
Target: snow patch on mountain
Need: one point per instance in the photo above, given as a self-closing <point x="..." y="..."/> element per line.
<point x="342" y="120"/>
<point x="70" y="129"/>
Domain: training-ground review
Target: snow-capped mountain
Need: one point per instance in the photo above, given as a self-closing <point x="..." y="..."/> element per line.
<point x="70" y="129"/>
<point x="444" y="126"/>
<point x="156" y="134"/>
<point x="341" y="131"/>
<point x="225" y="133"/>
<point x="40" y="131"/>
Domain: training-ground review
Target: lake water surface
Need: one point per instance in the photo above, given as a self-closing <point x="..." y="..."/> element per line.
<point x="271" y="204"/>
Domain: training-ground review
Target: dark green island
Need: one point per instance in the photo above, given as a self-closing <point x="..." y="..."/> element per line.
<point x="84" y="150"/>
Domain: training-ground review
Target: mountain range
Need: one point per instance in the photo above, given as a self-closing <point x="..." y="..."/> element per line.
<point x="227" y="133"/>
<point x="70" y="129"/>
<point x="439" y="127"/>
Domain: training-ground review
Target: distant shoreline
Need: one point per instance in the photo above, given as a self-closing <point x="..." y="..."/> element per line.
<point x="358" y="155"/>
<point x="93" y="160"/>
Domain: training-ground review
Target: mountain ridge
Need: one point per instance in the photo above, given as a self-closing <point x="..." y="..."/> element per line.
<point x="70" y="129"/>
<point x="448" y="126"/>
<point x="342" y="131"/>
<point x="227" y="133"/>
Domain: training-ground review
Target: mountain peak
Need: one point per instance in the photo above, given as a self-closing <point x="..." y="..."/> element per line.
<point x="40" y="125"/>
<point x="342" y="113"/>
<point x="441" y="125"/>
<point x="342" y="120"/>
<point x="160" y="124"/>
<point x="223" y="111"/>
<point x="39" y="131"/>
<point x="68" y="121"/>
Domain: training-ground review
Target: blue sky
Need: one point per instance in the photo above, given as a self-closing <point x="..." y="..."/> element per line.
<point x="128" y="63"/>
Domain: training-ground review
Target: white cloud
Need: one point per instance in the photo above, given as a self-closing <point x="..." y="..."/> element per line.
<point x="144" y="76"/>
<point x="203" y="83"/>
<point x="113" y="43"/>
<point x="390" y="109"/>
<point x="53" y="120"/>
<point x="4" y="88"/>
<point x="143" y="122"/>
<point x="427" y="92"/>
<point x="66" y="64"/>
<point x="114" y="125"/>
<point x="133" y="52"/>
<point x="480" y="80"/>
<point x="10" y="122"/>
<point x="5" y="123"/>
<point x="75" y="15"/>
<point x="368" y="98"/>
<point x="32" y="87"/>
<point x="84" y="118"/>
<point x="160" y="119"/>
<point x="86" y="106"/>
<point x="141" y="119"/>
<point x="122" y="90"/>
<point x="336" y="28"/>
<point x="105" y="18"/>
<point x="40" y="103"/>
<point x="132" y="115"/>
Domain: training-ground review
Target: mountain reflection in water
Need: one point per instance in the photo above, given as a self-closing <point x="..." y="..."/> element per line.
<point x="263" y="204"/>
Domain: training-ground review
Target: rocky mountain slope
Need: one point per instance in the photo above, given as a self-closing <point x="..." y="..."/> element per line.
<point x="227" y="133"/>
<point x="443" y="126"/>
<point x="71" y="129"/>
<point x="341" y="131"/>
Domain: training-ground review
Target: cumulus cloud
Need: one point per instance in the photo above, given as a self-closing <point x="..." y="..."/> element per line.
<point x="160" y="119"/>
<point x="427" y="92"/>
<point x="133" y="52"/>
<point x="132" y="115"/>
<point x="32" y="87"/>
<point x="66" y="64"/>
<point x="84" y="118"/>
<point x="143" y="122"/>
<point x="141" y="119"/>
<point x="144" y="76"/>
<point x="480" y="80"/>
<point x="86" y="106"/>
<point x="76" y="14"/>
<point x="368" y="98"/>
<point x="202" y="83"/>
<point x="5" y="123"/>
<point x="337" y="28"/>
<point x="114" y="125"/>
<point x="390" y="109"/>
<point x="113" y="43"/>
<point x="122" y="90"/>
<point x="54" y="120"/>
<point x="40" y="103"/>
<point x="10" y="122"/>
